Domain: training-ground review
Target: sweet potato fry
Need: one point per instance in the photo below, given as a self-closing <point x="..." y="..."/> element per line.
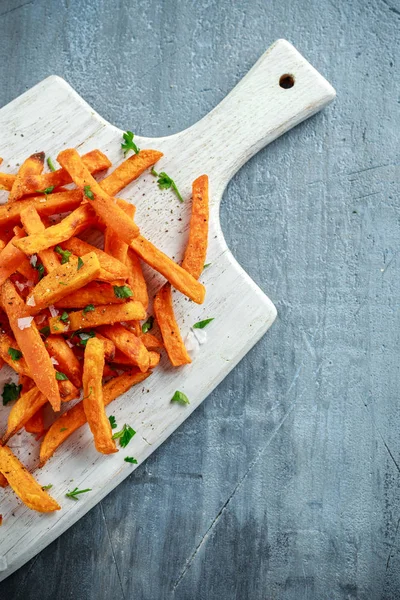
<point x="74" y="418"/>
<point x="151" y="341"/>
<point x="19" y="366"/>
<point x="26" y="382"/>
<point x="111" y="268"/>
<point x="101" y="315"/>
<point x="95" y="161"/>
<point x="36" y="423"/>
<point x="196" y="249"/>
<point x="129" y="170"/>
<point x="109" y="347"/>
<point x="92" y="293"/>
<point x="28" y="177"/>
<point x="121" y="360"/>
<point x="81" y="218"/>
<point x="23" y="484"/>
<point x="100" y="201"/>
<point x="93" y="401"/>
<point x="25" y="407"/>
<point x="6" y="181"/>
<point x="108" y="372"/>
<point x="129" y="344"/>
<point x="136" y="280"/>
<point x="113" y="245"/>
<point x="154" y="359"/>
<point x="30" y="402"/>
<point x="33" y="225"/>
<point x="164" y="313"/>
<point x="67" y="361"/>
<point x="12" y="259"/>
<point x="178" y="277"/>
<point x="31" y="344"/>
<point x="52" y="204"/>
<point x="64" y="280"/>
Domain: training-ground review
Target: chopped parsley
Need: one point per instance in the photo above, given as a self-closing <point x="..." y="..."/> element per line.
<point x="180" y="397"/>
<point x="84" y="337"/>
<point x="148" y="325"/>
<point x="128" y="143"/>
<point x="113" y="422"/>
<point x="45" y="331"/>
<point x="46" y="191"/>
<point x="64" y="317"/>
<point x="63" y="429"/>
<point x="65" y="254"/>
<point x="122" y="291"/>
<point x="124" y="436"/>
<point x="88" y="192"/>
<point x="15" y="354"/>
<point x="50" y="164"/>
<point x="75" y="492"/>
<point x="80" y="263"/>
<point x="40" y="269"/>
<point x="202" y="324"/>
<point x="88" y="308"/>
<point x="47" y="487"/>
<point x="61" y="376"/>
<point x="165" y="183"/>
<point x="130" y="459"/>
<point x="11" y="392"/>
<point x="206" y="265"/>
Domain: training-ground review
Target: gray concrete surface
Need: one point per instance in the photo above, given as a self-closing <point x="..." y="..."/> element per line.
<point x="285" y="483"/>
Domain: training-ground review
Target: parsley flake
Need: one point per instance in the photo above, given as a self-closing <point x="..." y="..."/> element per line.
<point x="165" y="183"/>
<point x="88" y="308"/>
<point x="11" y="392"/>
<point x="113" y="422"/>
<point x="122" y="291"/>
<point x="206" y="265"/>
<point x="46" y="191"/>
<point x="128" y="143"/>
<point x="64" y="317"/>
<point x="148" y="325"/>
<point x="45" y="331"/>
<point x="202" y="324"/>
<point x="40" y="269"/>
<point x="84" y="337"/>
<point x="15" y="354"/>
<point x="61" y="376"/>
<point x="50" y="164"/>
<point x="180" y="397"/>
<point x="124" y="436"/>
<point x="88" y="192"/>
<point x="75" y="492"/>
<point x="47" y="487"/>
<point x="130" y="459"/>
<point x="63" y="429"/>
<point x="80" y="263"/>
<point x="65" y="254"/>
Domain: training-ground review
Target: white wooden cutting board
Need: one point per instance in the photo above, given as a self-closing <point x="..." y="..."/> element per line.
<point x="51" y="116"/>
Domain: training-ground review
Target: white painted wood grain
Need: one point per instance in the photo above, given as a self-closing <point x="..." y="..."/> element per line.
<point x="52" y="116"/>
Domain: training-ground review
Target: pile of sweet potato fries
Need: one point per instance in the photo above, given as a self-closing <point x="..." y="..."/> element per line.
<point x="70" y="312"/>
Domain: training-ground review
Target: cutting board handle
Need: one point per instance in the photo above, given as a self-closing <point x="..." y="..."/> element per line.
<point x="280" y="91"/>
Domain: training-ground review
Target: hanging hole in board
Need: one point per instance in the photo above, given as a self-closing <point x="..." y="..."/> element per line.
<point x="286" y="81"/>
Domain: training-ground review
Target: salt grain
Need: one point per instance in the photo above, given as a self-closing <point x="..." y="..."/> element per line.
<point x="24" y="322"/>
<point x="53" y="311"/>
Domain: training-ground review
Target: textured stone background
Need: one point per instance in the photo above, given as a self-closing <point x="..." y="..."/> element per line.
<point x="285" y="483"/>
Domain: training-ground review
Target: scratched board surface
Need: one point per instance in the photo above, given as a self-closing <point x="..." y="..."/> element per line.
<point x="284" y="484"/>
